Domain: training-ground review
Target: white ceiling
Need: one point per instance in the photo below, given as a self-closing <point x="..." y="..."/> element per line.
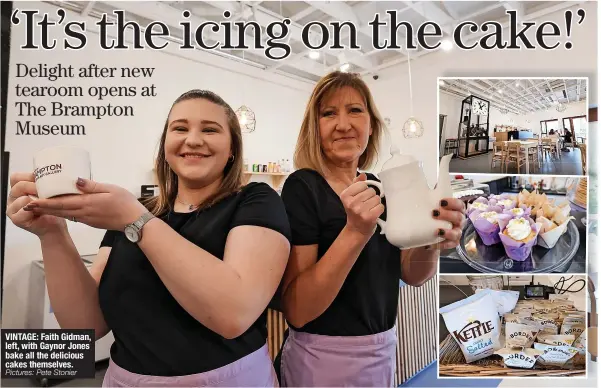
<point x="519" y="96"/>
<point x="299" y="64"/>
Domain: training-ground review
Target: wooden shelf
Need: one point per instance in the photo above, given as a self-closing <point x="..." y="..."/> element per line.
<point x="276" y="177"/>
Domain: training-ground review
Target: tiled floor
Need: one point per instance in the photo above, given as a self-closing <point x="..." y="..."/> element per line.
<point x="569" y="164"/>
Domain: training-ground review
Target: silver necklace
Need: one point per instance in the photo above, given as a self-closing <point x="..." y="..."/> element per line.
<point x="190" y="206"/>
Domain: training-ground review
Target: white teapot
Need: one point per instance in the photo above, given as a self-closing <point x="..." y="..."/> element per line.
<point x="410" y="201"/>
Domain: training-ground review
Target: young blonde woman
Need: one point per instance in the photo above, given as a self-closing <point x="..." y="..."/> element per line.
<point x="182" y="280"/>
<point x="341" y="286"/>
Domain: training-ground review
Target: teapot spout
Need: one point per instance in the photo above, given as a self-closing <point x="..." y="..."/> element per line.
<point x="443" y="186"/>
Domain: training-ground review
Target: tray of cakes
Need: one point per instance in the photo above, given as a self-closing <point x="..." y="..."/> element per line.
<point x="524" y="232"/>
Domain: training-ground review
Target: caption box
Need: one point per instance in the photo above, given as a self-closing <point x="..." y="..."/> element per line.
<point x="48" y="353"/>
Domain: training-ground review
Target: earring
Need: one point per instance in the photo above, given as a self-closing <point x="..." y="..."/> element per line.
<point x="231" y="158"/>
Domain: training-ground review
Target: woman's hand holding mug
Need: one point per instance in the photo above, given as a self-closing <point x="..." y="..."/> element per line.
<point x="100" y="205"/>
<point x="363" y="206"/>
<point x="453" y="211"/>
<point x="22" y="186"/>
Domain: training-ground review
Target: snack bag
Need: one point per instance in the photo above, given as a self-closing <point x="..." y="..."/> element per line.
<point x="474" y="324"/>
<point x="519" y="357"/>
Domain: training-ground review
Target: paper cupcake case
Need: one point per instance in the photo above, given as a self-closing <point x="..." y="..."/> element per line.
<point x="518" y="250"/>
<point x="488" y="231"/>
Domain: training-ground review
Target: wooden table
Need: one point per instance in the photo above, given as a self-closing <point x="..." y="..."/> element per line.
<point x="525" y="144"/>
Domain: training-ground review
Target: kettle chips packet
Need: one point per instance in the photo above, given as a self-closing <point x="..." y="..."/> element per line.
<point x="474" y="324"/>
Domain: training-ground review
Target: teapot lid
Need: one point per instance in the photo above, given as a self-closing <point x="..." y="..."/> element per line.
<point x="397" y="159"/>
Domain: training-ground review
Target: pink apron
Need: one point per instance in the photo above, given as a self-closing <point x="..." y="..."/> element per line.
<point x="311" y="360"/>
<point x="254" y="370"/>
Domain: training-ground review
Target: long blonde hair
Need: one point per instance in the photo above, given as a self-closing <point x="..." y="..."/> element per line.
<point x="166" y="178"/>
<point x="308" y="152"/>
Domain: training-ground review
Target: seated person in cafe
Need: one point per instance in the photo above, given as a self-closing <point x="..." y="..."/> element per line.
<point x="567" y="138"/>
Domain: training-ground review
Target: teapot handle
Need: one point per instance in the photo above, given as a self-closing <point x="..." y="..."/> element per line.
<point x="380" y="222"/>
<point x="377" y="184"/>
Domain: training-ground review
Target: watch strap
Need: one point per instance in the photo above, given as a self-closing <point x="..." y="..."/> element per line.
<point x="139" y="223"/>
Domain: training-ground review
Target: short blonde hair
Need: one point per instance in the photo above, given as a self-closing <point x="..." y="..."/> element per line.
<point x="308" y="152"/>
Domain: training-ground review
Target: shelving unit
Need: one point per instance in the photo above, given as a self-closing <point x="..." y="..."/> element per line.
<point x="276" y="177"/>
<point x="472" y="131"/>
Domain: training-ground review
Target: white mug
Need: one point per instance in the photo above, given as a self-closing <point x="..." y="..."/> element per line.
<point x="56" y="170"/>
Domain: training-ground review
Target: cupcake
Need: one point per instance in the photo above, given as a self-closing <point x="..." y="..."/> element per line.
<point x="506" y="201"/>
<point x="518" y="235"/>
<point x="479" y="204"/>
<point x="487" y="224"/>
<point x="518" y="211"/>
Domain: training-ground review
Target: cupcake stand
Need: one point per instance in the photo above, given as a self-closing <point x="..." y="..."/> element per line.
<point x="493" y="258"/>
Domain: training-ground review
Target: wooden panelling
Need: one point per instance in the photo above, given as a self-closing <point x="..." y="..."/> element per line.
<point x="416" y="330"/>
<point x="592" y="115"/>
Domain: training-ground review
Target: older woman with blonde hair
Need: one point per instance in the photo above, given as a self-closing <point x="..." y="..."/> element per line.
<point x="182" y="279"/>
<point x="341" y="286"/>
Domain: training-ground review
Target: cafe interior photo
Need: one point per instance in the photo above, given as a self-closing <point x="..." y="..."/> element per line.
<point x="514" y="125"/>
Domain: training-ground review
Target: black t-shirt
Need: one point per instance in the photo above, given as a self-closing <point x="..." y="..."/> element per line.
<point x="154" y="335"/>
<point x="367" y="301"/>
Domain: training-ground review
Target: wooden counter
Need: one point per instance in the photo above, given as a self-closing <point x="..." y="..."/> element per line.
<point x="416" y="330"/>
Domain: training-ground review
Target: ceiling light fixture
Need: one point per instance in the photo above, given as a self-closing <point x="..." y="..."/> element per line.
<point x="412" y="127"/>
<point x="345" y="67"/>
<point x="500" y="91"/>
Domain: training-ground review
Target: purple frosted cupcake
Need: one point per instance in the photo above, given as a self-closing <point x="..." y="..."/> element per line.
<point x="480" y="203"/>
<point x="519" y="211"/>
<point x="486" y="224"/>
<point x="506" y="201"/>
<point x="518" y="236"/>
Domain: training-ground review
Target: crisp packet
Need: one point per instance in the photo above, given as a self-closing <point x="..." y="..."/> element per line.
<point x="519" y="357"/>
<point x="555" y="356"/>
<point x="555" y="339"/>
<point x="505" y="299"/>
<point x="520" y="335"/>
<point x="474" y="324"/>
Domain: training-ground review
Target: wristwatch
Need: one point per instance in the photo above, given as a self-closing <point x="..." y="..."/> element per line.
<point x="133" y="231"/>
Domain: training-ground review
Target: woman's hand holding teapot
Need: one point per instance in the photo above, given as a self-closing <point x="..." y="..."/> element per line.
<point x="363" y="206"/>
<point x="22" y="186"/>
<point x="453" y="211"/>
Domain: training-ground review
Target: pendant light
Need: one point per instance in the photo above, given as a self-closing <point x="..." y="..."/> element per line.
<point x="246" y="116"/>
<point x="413" y="127"/>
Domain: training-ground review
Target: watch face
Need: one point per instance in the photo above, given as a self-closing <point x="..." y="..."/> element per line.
<point x="131" y="234"/>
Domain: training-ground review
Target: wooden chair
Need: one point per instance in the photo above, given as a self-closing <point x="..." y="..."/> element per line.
<point x="514" y="155"/>
<point x="549" y="147"/>
<point x="498" y="154"/>
<point x="582" y="148"/>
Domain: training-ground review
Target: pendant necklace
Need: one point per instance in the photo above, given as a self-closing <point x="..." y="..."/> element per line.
<point x="190" y="206"/>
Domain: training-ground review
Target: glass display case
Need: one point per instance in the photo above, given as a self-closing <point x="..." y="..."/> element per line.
<point x="473" y="129"/>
